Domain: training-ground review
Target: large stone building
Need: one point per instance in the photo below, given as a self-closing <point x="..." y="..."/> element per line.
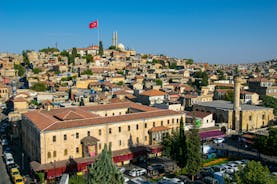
<point x="80" y="133"/>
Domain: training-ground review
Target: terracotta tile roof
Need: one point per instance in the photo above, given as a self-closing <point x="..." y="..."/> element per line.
<point x="159" y="129"/>
<point x="80" y="116"/>
<point x="198" y="114"/>
<point x="153" y="92"/>
<point x="19" y="99"/>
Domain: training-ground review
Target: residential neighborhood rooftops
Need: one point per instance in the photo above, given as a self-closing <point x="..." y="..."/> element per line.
<point x="153" y="92"/>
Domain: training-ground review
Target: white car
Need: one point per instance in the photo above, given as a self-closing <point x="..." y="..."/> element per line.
<point x="218" y="140"/>
<point x="5" y="142"/>
<point x="9" y="160"/>
<point x="139" y="180"/>
<point x="166" y="180"/>
<point x="126" y="179"/>
<point x="137" y="172"/>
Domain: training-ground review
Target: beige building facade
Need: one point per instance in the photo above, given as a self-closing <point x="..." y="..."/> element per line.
<point x="60" y="134"/>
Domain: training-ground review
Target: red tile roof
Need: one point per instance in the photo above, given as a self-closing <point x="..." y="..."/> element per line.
<point x="198" y="114"/>
<point x="153" y="92"/>
<point x="81" y="116"/>
<point x="159" y="129"/>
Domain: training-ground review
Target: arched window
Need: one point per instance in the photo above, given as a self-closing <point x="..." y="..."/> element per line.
<point x="54" y="154"/>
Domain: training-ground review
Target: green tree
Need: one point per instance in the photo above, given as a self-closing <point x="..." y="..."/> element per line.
<point x="269" y="101"/>
<point x="87" y="72"/>
<point x="64" y="53"/>
<point x="204" y="79"/>
<point x="36" y="70"/>
<point x="190" y="62"/>
<point x="173" y="65"/>
<point x="253" y="173"/>
<point x="229" y="95"/>
<point x="220" y="75"/>
<point x="272" y="141"/>
<point x="77" y="180"/>
<point x="120" y="83"/>
<point x="39" y="86"/>
<point x="74" y="52"/>
<point x="194" y="157"/>
<point x="20" y="69"/>
<point x="175" y="146"/>
<point x="104" y="170"/>
<point x="159" y="82"/>
<point x="89" y="58"/>
<point x="260" y="143"/>
<point x="101" y="49"/>
<point x="49" y="50"/>
<point x="25" y="57"/>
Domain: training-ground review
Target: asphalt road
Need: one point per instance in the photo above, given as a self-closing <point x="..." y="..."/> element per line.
<point x="234" y="149"/>
<point x="4" y="177"/>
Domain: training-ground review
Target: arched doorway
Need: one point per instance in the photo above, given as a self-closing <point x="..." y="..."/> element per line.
<point x="89" y="146"/>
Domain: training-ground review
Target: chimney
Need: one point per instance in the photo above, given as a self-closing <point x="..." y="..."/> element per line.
<point x="237" y="107"/>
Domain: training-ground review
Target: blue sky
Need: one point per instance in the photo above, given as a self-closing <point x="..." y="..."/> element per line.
<point x="214" y="31"/>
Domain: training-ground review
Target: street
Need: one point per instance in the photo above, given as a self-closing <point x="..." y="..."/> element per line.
<point x="234" y="149"/>
<point x="4" y="177"/>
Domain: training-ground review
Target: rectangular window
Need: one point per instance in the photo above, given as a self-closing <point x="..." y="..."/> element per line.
<point x="119" y="142"/>
<point x="129" y="127"/>
<point x="263" y="116"/>
<point x="77" y="150"/>
<point x="54" y="154"/>
<point x="145" y="138"/>
<point x="65" y="152"/>
<point x="168" y="122"/>
<point x="162" y="123"/>
<point x="250" y="118"/>
<point x="145" y="125"/>
<point x="137" y="126"/>
<point x="99" y="132"/>
<point x="77" y="135"/>
<point x="64" y="137"/>
<point x="154" y="124"/>
<point x="110" y="130"/>
<point x="119" y="129"/>
<point x="177" y="120"/>
<point x="88" y="133"/>
<point x="172" y="120"/>
<point x="137" y="140"/>
<point x="54" y="138"/>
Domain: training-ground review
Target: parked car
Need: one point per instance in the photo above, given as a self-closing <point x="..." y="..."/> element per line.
<point x="210" y="180"/>
<point x="18" y="179"/>
<point x="218" y="140"/>
<point x="137" y="172"/>
<point x="218" y="168"/>
<point x="5" y="142"/>
<point x="9" y="159"/>
<point x="14" y="172"/>
<point x="139" y="180"/>
<point x="166" y="180"/>
<point x="126" y="179"/>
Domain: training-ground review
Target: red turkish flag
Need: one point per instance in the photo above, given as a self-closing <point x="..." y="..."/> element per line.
<point x="93" y="24"/>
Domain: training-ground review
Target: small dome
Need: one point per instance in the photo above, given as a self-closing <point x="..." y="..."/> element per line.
<point x="121" y="46"/>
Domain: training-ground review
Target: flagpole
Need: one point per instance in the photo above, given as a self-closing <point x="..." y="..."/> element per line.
<point x="98" y="32"/>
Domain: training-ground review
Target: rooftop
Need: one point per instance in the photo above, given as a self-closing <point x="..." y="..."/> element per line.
<point x="227" y="105"/>
<point x="84" y="116"/>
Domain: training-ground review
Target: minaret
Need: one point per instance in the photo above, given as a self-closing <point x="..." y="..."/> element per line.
<point x="116" y="39"/>
<point x="113" y="39"/>
<point x="237" y="107"/>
